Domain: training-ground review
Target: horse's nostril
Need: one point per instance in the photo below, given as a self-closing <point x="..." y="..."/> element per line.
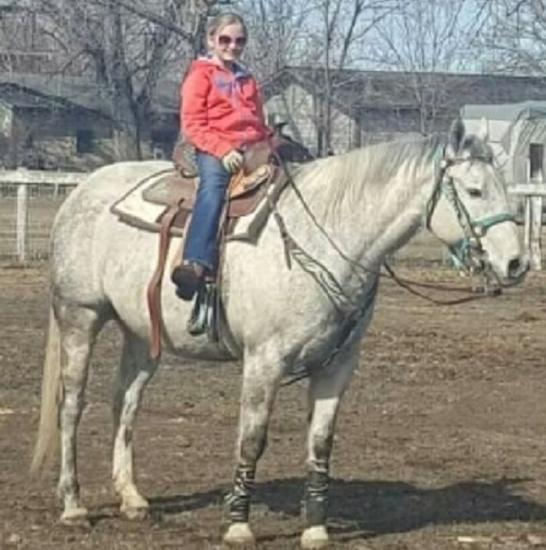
<point x="515" y="268"/>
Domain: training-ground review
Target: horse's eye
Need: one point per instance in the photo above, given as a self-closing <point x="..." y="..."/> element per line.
<point x="474" y="192"/>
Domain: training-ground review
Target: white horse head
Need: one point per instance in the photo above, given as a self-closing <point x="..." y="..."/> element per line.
<point x="470" y="211"/>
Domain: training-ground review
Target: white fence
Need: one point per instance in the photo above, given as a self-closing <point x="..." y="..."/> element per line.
<point x="28" y="203"/>
<point x="29" y="200"/>
<point x="532" y="194"/>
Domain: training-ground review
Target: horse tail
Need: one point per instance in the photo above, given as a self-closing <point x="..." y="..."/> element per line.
<point x="47" y="441"/>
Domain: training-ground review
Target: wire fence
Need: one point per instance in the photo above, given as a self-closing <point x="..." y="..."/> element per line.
<point x="43" y="201"/>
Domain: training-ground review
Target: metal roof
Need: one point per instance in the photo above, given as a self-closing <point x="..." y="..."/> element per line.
<point x="23" y="98"/>
<point x="506" y="111"/>
<point x="82" y="92"/>
<point x="13" y="4"/>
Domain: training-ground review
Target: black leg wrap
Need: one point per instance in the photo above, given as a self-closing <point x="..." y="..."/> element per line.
<point x="238" y="501"/>
<point x="316" y="497"/>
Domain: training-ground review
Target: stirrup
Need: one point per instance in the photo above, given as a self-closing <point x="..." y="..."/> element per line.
<point x="203" y="315"/>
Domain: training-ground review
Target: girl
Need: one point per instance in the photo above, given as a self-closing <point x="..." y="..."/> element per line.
<point x="221" y="114"/>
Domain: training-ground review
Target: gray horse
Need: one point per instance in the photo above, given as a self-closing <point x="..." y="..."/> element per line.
<point x="288" y="311"/>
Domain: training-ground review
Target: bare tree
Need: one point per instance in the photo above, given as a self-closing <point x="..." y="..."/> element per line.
<point x="127" y="45"/>
<point x="515" y="39"/>
<point x="20" y="46"/>
<point x="277" y="28"/>
<point x="424" y="40"/>
<point x="336" y="38"/>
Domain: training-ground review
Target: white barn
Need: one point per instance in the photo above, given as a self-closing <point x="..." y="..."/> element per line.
<point x="517" y="132"/>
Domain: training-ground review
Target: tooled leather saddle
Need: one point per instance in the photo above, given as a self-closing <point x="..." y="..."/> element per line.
<point x="264" y="174"/>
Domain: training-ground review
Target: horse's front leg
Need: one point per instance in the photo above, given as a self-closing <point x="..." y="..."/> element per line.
<point x="261" y="379"/>
<point x="135" y="370"/>
<point x="325" y="392"/>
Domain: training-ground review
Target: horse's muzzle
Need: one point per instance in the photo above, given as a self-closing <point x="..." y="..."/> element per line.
<point x="518" y="268"/>
<point x="494" y="282"/>
<point x="516" y="271"/>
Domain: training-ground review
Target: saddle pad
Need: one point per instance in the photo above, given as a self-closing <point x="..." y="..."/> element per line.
<point x="134" y="210"/>
<point x="171" y="189"/>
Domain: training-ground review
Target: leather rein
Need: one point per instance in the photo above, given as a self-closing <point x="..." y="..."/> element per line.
<point x="469" y="251"/>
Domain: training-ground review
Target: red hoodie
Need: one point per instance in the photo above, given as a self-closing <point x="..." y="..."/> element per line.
<point x="221" y="110"/>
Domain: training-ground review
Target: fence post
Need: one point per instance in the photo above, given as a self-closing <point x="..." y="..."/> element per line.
<point x="22" y="222"/>
<point x="527" y="221"/>
<point x="533" y="195"/>
<point x="536" y="228"/>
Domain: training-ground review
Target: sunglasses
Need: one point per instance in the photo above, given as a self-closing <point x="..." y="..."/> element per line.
<point x="224" y="40"/>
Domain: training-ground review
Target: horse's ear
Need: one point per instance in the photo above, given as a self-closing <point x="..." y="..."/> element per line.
<point x="483" y="131"/>
<point x="456" y="135"/>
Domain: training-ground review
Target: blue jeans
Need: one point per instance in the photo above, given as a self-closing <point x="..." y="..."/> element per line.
<point x="201" y="244"/>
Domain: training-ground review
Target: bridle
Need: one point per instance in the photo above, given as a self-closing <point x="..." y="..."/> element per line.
<point x="469" y="251"/>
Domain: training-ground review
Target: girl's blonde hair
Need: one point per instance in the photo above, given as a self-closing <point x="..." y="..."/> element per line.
<point x="223" y="20"/>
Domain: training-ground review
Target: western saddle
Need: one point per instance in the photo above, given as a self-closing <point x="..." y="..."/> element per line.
<point x="264" y="174"/>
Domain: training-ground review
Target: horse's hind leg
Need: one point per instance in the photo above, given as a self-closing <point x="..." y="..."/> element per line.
<point x="135" y="370"/>
<point x="78" y="330"/>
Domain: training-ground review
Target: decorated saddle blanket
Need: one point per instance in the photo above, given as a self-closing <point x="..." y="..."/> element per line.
<point x="250" y="196"/>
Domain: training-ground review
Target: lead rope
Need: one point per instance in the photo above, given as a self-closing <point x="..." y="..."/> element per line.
<point x="290" y="245"/>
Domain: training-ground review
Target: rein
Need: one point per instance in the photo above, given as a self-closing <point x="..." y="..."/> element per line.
<point x="410" y="285"/>
<point x="469" y="251"/>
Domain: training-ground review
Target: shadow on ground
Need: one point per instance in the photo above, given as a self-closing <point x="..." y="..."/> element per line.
<point x="380" y="507"/>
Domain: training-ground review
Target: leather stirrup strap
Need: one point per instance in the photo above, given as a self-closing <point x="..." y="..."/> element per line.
<point x="234" y="181"/>
<point x="154" y="287"/>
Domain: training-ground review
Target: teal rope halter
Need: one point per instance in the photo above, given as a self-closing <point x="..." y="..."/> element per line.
<point x="469" y="250"/>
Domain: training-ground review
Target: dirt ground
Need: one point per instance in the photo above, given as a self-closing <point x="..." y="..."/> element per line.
<point x="440" y="443"/>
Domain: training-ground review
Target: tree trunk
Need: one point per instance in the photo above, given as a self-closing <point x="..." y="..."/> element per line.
<point x="126" y="145"/>
<point x="116" y="73"/>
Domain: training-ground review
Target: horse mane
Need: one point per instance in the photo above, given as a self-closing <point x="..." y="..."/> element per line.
<point x="376" y="164"/>
<point x="364" y="171"/>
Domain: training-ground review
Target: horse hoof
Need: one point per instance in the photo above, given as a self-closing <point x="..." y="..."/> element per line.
<point x="314" y="538"/>
<point x="76" y="517"/>
<point x="239" y="534"/>
<point x="135" y="513"/>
